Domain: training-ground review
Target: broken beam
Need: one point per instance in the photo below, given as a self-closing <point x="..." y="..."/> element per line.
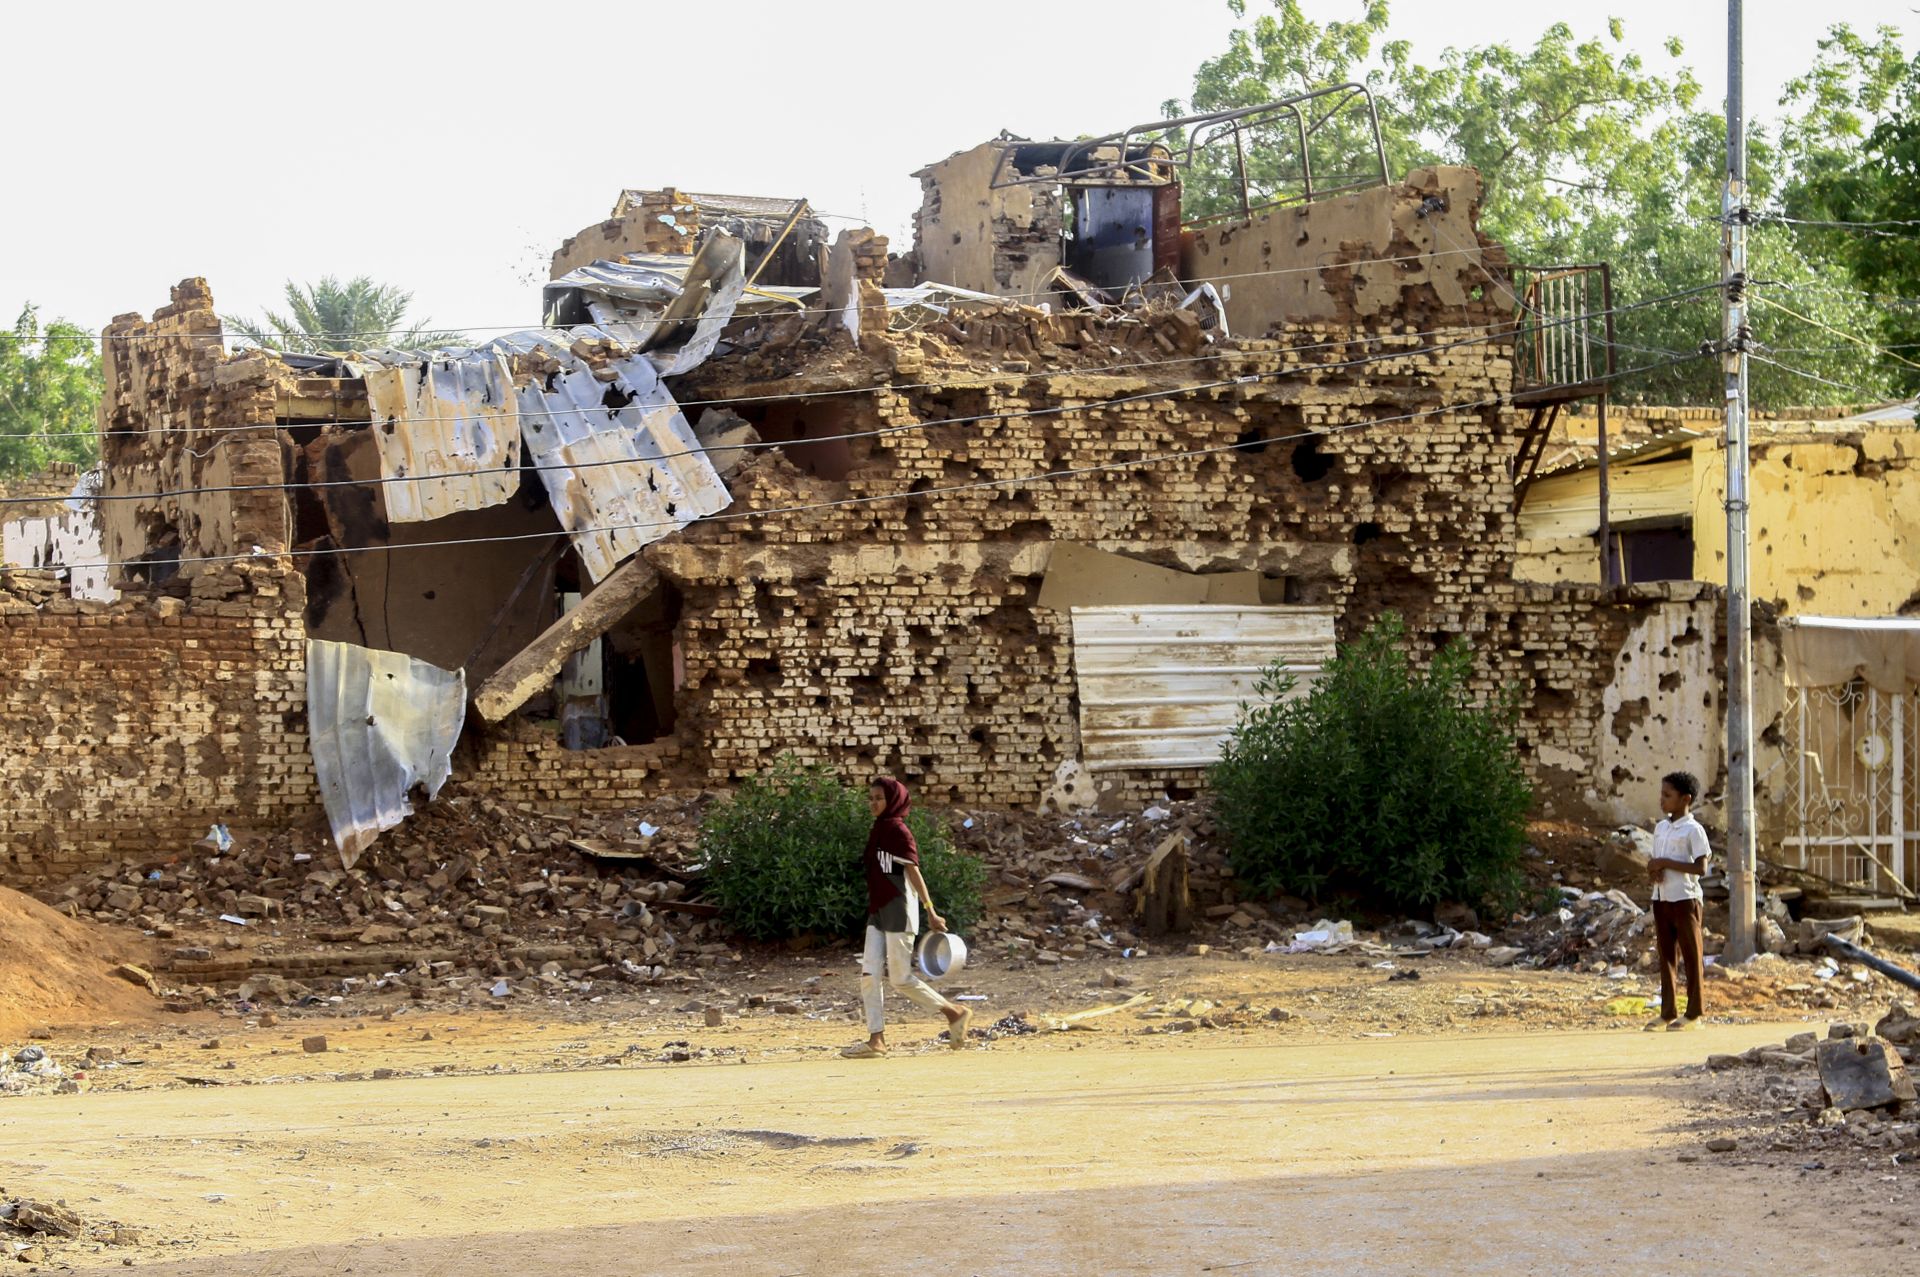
<point x="535" y="666"/>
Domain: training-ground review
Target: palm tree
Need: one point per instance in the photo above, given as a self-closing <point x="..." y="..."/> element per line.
<point x="330" y="316"/>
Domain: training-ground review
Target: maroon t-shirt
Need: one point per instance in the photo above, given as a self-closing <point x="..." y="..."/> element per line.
<point x="890" y="849"/>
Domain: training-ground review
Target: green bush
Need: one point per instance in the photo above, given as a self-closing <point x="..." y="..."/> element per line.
<point x="783" y="857"/>
<point x="1380" y="783"/>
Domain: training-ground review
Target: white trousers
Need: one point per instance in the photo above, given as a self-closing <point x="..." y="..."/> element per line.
<point x="891" y="953"/>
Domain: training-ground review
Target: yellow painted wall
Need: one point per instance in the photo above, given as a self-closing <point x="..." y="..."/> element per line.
<point x="1835" y="518"/>
<point x="1835" y="522"/>
<point x="1562" y="512"/>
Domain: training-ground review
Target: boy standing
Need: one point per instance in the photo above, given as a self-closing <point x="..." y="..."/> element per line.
<point x="1680" y="855"/>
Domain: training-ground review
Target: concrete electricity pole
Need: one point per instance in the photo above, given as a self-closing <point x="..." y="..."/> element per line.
<point x="1733" y="256"/>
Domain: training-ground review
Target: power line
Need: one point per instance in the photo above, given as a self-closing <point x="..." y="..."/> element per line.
<point x="1830" y="290"/>
<point x="971" y="380"/>
<point x="1056" y="410"/>
<point x="1862" y="342"/>
<point x="843" y="502"/>
<point x="1879" y="228"/>
<point x="1868" y="396"/>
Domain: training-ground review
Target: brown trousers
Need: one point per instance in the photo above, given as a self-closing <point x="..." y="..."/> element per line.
<point x="1676" y="927"/>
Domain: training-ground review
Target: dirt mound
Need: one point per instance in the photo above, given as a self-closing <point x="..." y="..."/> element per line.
<point x="55" y="970"/>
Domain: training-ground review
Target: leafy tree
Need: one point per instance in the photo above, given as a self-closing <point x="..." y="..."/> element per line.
<point x="1382" y="783"/>
<point x="1587" y="154"/>
<point x="330" y="316"/>
<point x="49" y="385"/>
<point x="1859" y="113"/>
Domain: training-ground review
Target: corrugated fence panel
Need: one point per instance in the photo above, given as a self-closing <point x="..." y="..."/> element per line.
<point x="1161" y="687"/>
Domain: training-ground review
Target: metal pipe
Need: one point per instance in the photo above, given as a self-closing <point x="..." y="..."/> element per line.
<point x="1854" y="953"/>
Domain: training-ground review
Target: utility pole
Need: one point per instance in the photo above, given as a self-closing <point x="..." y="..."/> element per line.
<point x="1739" y="694"/>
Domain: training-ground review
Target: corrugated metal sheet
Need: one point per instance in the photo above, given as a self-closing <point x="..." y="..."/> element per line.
<point x="1161" y="687"/>
<point x="673" y="309"/>
<point x="583" y="433"/>
<point x="378" y="724"/>
<point x="435" y="422"/>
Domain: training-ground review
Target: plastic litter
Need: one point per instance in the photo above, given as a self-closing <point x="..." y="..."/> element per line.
<point x="1323" y="935"/>
<point x="500" y="990"/>
<point x="220" y="838"/>
<point x="648" y="830"/>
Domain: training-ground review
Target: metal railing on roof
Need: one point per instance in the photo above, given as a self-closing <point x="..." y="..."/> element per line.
<point x="1565" y="328"/>
<point x="1156" y="153"/>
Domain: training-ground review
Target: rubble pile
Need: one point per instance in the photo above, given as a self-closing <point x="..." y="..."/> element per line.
<point x="469" y="889"/>
<point x="1061" y="886"/>
<point x="28" y="1228"/>
<point x="30" y="1070"/>
<point x="1850" y="1088"/>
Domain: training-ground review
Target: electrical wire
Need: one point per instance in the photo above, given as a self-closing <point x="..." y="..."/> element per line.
<point x="1135" y="463"/>
<point x="1888" y="300"/>
<point x="1056" y="410"/>
<point x="973" y="380"/>
<point x="1866" y="395"/>
<point x="1841" y="333"/>
<point x="1869" y="228"/>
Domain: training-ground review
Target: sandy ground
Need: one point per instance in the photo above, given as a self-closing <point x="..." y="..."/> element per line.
<point x="1265" y="1146"/>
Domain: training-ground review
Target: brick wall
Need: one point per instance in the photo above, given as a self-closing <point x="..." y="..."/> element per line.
<point x="905" y="636"/>
<point x="128" y="728"/>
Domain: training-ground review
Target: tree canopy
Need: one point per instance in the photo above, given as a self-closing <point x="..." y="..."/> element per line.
<point x="49" y="386"/>
<point x="1589" y="153"/>
<point x="329" y="316"/>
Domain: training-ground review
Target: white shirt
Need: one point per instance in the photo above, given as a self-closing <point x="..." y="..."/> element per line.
<point x="1679" y="839"/>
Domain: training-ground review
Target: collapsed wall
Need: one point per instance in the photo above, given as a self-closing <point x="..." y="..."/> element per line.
<point x="130" y="726"/>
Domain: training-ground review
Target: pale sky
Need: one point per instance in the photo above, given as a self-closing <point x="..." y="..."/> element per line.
<point x="449" y="149"/>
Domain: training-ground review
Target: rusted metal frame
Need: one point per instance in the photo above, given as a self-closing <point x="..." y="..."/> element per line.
<point x="1545" y="287"/>
<point x="1184" y="159"/>
<point x="1539" y="438"/>
<point x="793" y="220"/>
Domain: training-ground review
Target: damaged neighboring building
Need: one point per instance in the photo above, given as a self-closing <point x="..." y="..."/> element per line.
<point x="1835" y="499"/>
<point x="1023" y="511"/>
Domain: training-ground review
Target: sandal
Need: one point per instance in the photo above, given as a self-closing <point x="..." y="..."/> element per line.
<point x="862" y="1051"/>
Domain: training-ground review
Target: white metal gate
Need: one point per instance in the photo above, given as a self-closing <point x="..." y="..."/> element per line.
<point x="1854" y="806"/>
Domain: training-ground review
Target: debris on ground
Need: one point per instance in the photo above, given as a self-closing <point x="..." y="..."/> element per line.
<point x="28" y="1228"/>
<point x="1849" y="1091"/>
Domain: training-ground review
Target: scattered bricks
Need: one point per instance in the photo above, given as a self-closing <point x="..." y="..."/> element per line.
<point x="1722" y="1145"/>
<point x="314" y="1045"/>
<point x="715" y="1017"/>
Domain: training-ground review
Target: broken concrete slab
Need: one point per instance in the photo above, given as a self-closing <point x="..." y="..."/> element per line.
<point x="535" y="666"/>
<point x="1863" y="1075"/>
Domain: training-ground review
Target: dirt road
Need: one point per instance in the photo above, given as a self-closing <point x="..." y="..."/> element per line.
<point x="1549" y="1152"/>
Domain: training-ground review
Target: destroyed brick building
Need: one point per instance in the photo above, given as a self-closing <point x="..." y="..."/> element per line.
<point x="1027" y="506"/>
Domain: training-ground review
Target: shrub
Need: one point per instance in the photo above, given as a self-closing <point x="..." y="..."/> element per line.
<point x="1382" y="783"/>
<point x="783" y="856"/>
